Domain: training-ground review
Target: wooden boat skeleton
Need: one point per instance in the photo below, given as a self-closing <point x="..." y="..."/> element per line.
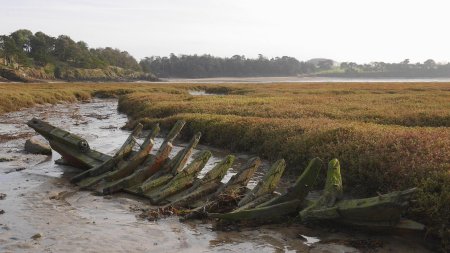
<point x="174" y="182"/>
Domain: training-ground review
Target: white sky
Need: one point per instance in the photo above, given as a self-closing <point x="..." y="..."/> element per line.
<point x="344" y="30"/>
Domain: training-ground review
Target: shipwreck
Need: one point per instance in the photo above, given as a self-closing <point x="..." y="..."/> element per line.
<point x="174" y="183"/>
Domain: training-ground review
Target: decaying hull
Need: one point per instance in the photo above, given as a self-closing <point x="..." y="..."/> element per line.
<point x="173" y="182"/>
<point x="74" y="149"/>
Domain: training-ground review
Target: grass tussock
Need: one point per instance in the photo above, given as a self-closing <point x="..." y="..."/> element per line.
<point x="14" y="97"/>
<point x="387" y="136"/>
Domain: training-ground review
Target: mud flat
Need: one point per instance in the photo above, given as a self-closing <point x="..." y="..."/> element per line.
<point x="43" y="212"/>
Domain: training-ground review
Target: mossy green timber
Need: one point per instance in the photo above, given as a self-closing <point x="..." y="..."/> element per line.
<point x="175" y="183"/>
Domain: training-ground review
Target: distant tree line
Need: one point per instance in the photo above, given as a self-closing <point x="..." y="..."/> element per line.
<point x="428" y="68"/>
<point x="55" y="54"/>
<point x="24" y="48"/>
<point x="198" y="66"/>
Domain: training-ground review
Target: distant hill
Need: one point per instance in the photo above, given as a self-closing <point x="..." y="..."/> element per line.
<point x="27" y="57"/>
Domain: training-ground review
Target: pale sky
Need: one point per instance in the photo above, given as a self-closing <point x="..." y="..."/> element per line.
<point x="343" y="30"/>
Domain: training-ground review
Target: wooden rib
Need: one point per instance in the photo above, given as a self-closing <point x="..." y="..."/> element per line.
<point x="108" y="165"/>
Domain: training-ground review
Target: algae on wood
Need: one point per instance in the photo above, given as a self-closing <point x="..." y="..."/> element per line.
<point x="218" y="172"/>
<point x="73" y="149"/>
<point x="153" y="164"/>
<point x="125" y="167"/>
<point x="332" y="191"/>
<point x="177" y="164"/>
<point x="182" y="180"/>
<point x="206" y="185"/>
<point x="274" y="212"/>
<point x="110" y="164"/>
<point x="230" y="192"/>
<point x="238" y="182"/>
<point x="267" y="185"/>
<point x="385" y="210"/>
<point x="156" y="162"/>
<point x="137" y="159"/>
<point x="256" y="202"/>
<point x="301" y="187"/>
<point x="282" y="205"/>
<point x="173" y="133"/>
<point x="170" y="179"/>
<point x="170" y="169"/>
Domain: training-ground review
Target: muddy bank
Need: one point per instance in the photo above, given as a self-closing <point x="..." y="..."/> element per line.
<point x="39" y="200"/>
<point x="39" y="74"/>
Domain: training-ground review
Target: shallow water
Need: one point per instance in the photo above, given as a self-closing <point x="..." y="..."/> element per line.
<point x="302" y="79"/>
<point x="199" y="93"/>
<point x="40" y="200"/>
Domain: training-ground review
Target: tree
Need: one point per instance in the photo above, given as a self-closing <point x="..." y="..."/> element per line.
<point x="15" y="47"/>
<point x="115" y="57"/>
<point x="65" y="48"/>
<point x="22" y="39"/>
<point x="429" y="64"/>
<point x="325" y="64"/>
<point x="42" y="48"/>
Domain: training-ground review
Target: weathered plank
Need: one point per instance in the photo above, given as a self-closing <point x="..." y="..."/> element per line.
<point x="332" y="191"/>
<point x="206" y="185"/>
<point x="232" y="191"/>
<point x="74" y="149"/>
<point x="125" y="167"/>
<point x="238" y="183"/>
<point x="170" y="169"/>
<point x="256" y="202"/>
<point x="152" y="165"/>
<point x="301" y="187"/>
<point x="137" y="159"/>
<point x="267" y="184"/>
<point x="182" y="180"/>
<point x="110" y="164"/>
<point x="383" y="209"/>
<point x="266" y="213"/>
<point x="276" y="208"/>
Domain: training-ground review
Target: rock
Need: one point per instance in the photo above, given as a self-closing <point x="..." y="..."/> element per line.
<point x="2" y="211"/>
<point x="2" y="196"/>
<point x="36" y="236"/>
<point x="36" y="146"/>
